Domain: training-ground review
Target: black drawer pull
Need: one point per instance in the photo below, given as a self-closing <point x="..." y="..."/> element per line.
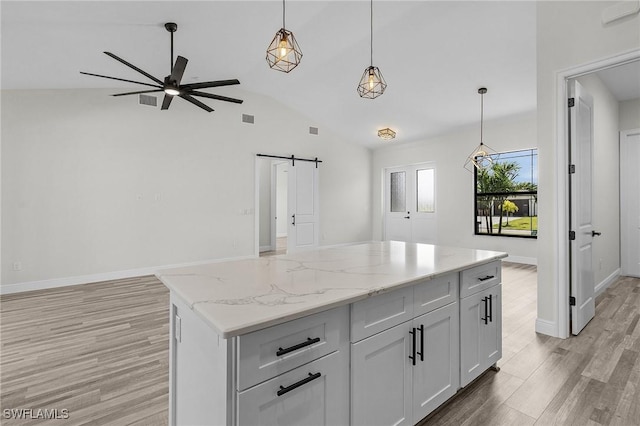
<point x="488" y="277"/>
<point x="309" y="341"/>
<point x="311" y="377"/>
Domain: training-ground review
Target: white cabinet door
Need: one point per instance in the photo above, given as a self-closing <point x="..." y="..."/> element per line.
<point x="436" y="375"/>
<point x="480" y="332"/>
<point x="381" y="382"/>
<point x="315" y="394"/>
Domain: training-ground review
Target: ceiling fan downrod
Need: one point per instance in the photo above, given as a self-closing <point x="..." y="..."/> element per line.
<point x="172" y="27"/>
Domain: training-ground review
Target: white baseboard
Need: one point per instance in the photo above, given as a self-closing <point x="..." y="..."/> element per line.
<point x="549" y="328"/>
<point x="602" y="286"/>
<point x="265" y="248"/>
<point x="106" y="276"/>
<point x="522" y="259"/>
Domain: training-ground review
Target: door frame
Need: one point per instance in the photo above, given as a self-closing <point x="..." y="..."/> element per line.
<point x="624" y="217"/>
<point x="562" y="190"/>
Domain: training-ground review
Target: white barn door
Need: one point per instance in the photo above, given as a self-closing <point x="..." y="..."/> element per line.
<point x="303" y="206"/>
<point x="581" y="206"/>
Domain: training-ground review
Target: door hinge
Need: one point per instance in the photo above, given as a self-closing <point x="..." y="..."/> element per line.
<point x="572" y="301"/>
<point x="572" y="169"/>
<point x="572" y="102"/>
<point x="572" y="235"/>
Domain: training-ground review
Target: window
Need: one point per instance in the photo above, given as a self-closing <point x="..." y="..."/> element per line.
<point x="506" y="195"/>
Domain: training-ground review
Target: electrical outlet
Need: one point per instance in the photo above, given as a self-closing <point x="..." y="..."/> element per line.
<point x="16" y="266"/>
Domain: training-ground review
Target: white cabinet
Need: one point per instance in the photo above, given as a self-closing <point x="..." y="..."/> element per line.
<point x="480" y="332"/>
<point x="400" y="375"/>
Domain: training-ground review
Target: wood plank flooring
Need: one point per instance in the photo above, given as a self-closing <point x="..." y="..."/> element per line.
<point x="101" y="351"/>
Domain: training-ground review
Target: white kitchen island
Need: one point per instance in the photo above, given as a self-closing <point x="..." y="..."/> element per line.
<point x="367" y="334"/>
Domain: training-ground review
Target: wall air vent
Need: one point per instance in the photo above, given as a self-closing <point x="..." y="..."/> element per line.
<point x="246" y="118"/>
<point x="148" y="100"/>
<point x="313" y="130"/>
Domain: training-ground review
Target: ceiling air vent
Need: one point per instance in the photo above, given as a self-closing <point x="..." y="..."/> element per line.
<point x="313" y="130"/>
<point x="246" y="118"/>
<point x="148" y="100"/>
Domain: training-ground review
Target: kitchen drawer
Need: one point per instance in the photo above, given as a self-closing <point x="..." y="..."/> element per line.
<point x="480" y="278"/>
<point x="267" y="353"/>
<point x="381" y="312"/>
<point x="314" y="394"/>
<point x="435" y="293"/>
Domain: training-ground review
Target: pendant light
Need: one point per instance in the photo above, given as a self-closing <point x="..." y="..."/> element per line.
<point x="372" y="83"/>
<point x="482" y="157"/>
<point x="283" y="54"/>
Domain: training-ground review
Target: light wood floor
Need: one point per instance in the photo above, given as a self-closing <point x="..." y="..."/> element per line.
<point x="101" y="351"/>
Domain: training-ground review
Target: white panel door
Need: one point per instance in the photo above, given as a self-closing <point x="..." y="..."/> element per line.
<point x="630" y="202"/>
<point x="409" y="204"/>
<point x="581" y="206"/>
<point x="303" y="209"/>
<point x="381" y="378"/>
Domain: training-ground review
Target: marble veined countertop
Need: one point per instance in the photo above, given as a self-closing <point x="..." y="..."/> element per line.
<point x="241" y="296"/>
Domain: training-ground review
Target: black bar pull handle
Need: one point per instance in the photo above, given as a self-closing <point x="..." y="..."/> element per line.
<point x="308" y="342"/>
<point x="304" y="381"/>
<point x="293" y="218"/>
<point x="491" y="308"/>
<point x="486" y="317"/>
<point x="421" y="353"/>
<point x="413" y="346"/>
<point x="488" y="277"/>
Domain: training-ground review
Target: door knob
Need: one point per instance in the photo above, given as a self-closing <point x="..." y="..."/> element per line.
<point x="407" y="217"/>
<point x="595" y="233"/>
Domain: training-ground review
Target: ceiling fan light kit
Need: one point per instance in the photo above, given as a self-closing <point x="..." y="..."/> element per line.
<point x="284" y="53"/>
<point x="171" y="85"/>
<point x="482" y="157"/>
<point x="372" y="84"/>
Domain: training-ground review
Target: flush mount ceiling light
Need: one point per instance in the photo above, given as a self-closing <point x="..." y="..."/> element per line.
<point x="283" y="54"/>
<point x="372" y="83"/>
<point x="482" y="157"/>
<point x="386" y="134"/>
<point x="171" y="85"/>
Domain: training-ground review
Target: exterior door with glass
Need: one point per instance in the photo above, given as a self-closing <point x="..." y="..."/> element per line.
<point x="409" y="204"/>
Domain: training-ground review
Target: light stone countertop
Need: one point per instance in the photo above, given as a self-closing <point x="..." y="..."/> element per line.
<point x="238" y="297"/>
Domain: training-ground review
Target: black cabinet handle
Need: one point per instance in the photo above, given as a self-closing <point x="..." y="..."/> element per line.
<point x="293" y="218"/>
<point x="488" y="277"/>
<point x="304" y="381"/>
<point x="486" y="305"/>
<point x="309" y="341"/>
<point x="413" y="346"/>
<point x="490" y="308"/>
<point x="421" y="353"/>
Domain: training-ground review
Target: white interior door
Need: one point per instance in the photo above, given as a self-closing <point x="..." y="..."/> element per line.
<point x="630" y="202"/>
<point x="581" y="207"/>
<point x="303" y="209"/>
<point x="409" y="204"/>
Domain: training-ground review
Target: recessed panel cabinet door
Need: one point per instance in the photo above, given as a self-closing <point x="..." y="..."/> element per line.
<point x="436" y="375"/>
<point x="381" y="381"/>
<point x="315" y="394"/>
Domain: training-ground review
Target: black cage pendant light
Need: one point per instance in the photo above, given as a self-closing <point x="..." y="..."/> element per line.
<point x="284" y="54"/>
<point x="372" y="83"/>
<point x="482" y="157"/>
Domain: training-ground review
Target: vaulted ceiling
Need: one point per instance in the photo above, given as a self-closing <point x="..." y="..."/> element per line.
<point x="433" y="54"/>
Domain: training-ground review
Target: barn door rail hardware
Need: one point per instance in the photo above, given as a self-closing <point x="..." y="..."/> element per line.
<point x="292" y="158"/>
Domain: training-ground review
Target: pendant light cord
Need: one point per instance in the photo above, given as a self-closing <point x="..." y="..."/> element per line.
<point x="371" y="39"/>
<point x="283" y="25"/>
<point x="481" y="116"/>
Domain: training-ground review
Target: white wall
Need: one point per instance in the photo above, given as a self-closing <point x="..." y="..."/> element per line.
<point x="606" y="179"/>
<point x="454" y="184"/>
<point x="629" y="114"/>
<point x="93" y="184"/>
<point x="569" y="33"/>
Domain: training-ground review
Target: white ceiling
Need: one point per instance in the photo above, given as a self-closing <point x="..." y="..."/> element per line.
<point x="433" y="54"/>
<point x="623" y="81"/>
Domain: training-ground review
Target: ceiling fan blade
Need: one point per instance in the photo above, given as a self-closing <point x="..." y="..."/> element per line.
<point x="196" y="102"/>
<point x="206" y="84"/>
<point x="218" y="97"/>
<point x="120" y="79"/>
<point x="146" y="74"/>
<point x="138" y="92"/>
<point x="166" y="101"/>
<point x="178" y="69"/>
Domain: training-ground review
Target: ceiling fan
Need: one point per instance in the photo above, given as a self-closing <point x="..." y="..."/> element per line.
<point x="171" y="85"/>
